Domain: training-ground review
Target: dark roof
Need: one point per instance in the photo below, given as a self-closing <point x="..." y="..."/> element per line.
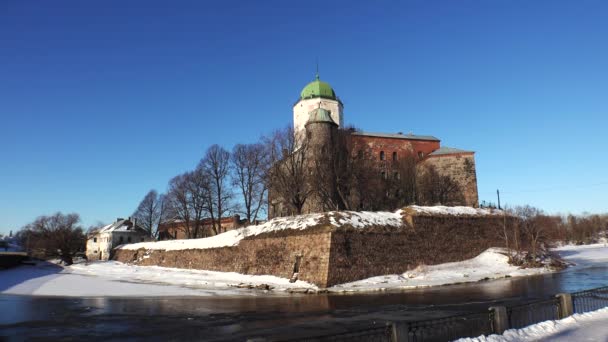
<point x="409" y="136"/>
<point x="448" y="150"/>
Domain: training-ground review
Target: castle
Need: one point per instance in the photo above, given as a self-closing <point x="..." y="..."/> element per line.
<point x="318" y="117"/>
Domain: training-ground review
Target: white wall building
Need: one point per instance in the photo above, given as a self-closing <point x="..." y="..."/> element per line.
<point x="101" y="243"/>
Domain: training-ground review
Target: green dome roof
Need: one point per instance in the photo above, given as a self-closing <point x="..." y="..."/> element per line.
<point x="318" y="88"/>
<point x="320" y="115"/>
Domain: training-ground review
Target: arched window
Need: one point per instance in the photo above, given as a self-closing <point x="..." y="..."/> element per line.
<point x="394" y="156"/>
<point x="381" y="155"/>
<point x="420" y="154"/>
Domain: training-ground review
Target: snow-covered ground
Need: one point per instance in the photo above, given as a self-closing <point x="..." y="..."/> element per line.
<point x="585" y="255"/>
<point x="491" y="264"/>
<point x="590" y="326"/>
<point x="117" y="279"/>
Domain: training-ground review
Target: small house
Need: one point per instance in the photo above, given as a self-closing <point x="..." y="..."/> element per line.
<point x="101" y="243"/>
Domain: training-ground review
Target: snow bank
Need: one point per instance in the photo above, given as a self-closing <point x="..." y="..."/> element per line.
<point x="233" y="237"/>
<point x="453" y="211"/>
<point x="491" y="264"/>
<point x="590" y="326"/>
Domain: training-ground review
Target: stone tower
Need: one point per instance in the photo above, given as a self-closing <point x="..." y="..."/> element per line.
<point x="316" y="94"/>
<point x="321" y="134"/>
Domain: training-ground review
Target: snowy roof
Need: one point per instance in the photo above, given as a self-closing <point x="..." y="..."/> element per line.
<point x="448" y="150"/>
<point x="397" y="136"/>
<point x="122" y="225"/>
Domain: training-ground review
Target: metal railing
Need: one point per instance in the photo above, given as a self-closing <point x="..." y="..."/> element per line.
<point x="447" y="328"/>
<point x="372" y="334"/>
<point x="494" y="321"/>
<point x="590" y="300"/>
<point x="523" y="315"/>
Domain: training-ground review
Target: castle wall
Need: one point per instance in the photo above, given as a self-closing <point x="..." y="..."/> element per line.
<point x="273" y="254"/>
<point x="330" y="255"/>
<point x="359" y="254"/>
<point x="461" y="168"/>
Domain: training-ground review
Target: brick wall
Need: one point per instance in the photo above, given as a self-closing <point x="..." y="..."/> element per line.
<point x="403" y="147"/>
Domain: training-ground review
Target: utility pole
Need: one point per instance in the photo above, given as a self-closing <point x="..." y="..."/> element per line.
<point x="498" y="195"/>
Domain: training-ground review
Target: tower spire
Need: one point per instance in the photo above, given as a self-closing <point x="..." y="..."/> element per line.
<point x="317" y="75"/>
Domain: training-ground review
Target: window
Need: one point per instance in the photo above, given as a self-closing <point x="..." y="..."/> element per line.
<point x="381" y="155"/>
<point x="95" y="252"/>
<point x="142" y="239"/>
<point x="94" y="239"/>
<point x="121" y="239"/>
<point x="396" y="175"/>
<point x="420" y="154"/>
<point x="394" y="156"/>
<point x="129" y="239"/>
<point x="383" y="173"/>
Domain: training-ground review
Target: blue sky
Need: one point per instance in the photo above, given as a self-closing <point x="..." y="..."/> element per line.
<point x="102" y="101"/>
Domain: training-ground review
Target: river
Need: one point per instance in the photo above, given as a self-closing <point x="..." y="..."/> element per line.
<point x="272" y="317"/>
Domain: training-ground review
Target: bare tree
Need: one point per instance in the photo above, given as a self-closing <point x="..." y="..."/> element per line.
<point x="341" y="175"/>
<point x="434" y="188"/>
<point x="249" y="163"/>
<point x="534" y="224"/>
<point x="288" y="174"/>
<point x="216" y="167"/>
<point x="150" y="212"/>
<point x="187" y="201"/>
<point x="57" y="235"/>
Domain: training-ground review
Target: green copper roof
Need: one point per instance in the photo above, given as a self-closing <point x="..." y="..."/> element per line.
<point x="318" y="88"/>
<point x="320" y="115"/>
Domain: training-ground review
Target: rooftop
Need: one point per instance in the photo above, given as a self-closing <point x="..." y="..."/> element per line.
<point x="409" y="136"/>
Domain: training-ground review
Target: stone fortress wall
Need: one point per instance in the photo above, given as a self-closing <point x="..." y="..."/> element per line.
<point x="327" y="255"/>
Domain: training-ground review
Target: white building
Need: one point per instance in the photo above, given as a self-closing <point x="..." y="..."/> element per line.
<point x="101" y="243"/>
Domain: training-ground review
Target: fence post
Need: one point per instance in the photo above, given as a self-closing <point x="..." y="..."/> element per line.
<point x="565" y="305"/>
<point x="501" y="319"/>
<point x="399" y="332"/>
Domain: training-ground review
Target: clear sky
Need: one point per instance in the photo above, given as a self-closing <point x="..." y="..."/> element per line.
<point x="102" y="101"/>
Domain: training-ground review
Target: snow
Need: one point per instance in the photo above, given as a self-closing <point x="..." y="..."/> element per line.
<point x="233" y="237"/>
<point x="584" y="255"/>
<point x="491" y="264"/>
<point x="121" y="280"/>
<point x="454" y="211"/>
<point x="590" y="326"/>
